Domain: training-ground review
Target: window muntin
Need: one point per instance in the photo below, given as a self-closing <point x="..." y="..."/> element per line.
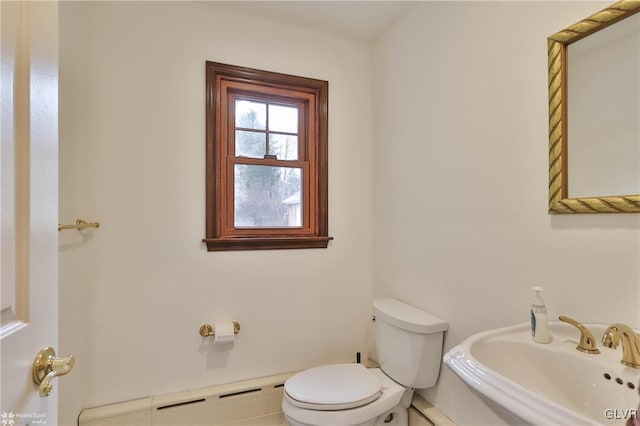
<point x="266" y="160"/>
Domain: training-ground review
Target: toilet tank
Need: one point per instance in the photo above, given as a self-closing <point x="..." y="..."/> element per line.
<point x="409" y="343"/>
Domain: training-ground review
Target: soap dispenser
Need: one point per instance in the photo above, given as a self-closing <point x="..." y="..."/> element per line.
<point x="539" y="322"/>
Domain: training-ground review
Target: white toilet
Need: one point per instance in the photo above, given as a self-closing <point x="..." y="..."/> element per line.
<point x="409" y="345"/>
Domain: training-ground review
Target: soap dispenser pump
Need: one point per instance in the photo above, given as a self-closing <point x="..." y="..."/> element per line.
<point x="539" y="322"/>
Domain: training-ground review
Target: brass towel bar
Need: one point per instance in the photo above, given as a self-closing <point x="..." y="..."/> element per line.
<point x="79" y="225"/>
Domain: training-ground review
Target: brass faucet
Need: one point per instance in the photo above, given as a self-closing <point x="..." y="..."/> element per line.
<point x="587" y="341"/>
<point x="630" y="343"/>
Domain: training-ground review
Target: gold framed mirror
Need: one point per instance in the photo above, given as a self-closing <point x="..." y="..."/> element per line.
<point x="593" y="199"/>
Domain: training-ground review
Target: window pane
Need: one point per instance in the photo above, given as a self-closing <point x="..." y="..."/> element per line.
<point x="267" y="196"/>
<point x="283" y="119"/>
<point x="250" y="144"/>
<point x="285" y="147"/>
<point x="251" y="115"/>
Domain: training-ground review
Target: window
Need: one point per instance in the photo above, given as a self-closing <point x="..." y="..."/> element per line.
<point x="266" y="160"/>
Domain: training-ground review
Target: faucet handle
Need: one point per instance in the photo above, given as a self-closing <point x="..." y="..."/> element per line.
<point x="611" y="338"/>
<point x="587" y="341"/>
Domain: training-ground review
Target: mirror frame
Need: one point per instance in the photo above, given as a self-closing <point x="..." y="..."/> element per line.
<point x="557" y="51"/>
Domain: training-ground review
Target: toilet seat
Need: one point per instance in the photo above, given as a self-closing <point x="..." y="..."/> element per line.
<point x="391" y="396"/>
<point x="333" y="387"/>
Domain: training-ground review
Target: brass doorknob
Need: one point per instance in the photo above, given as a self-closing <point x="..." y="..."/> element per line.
<point x="46" y="366"/>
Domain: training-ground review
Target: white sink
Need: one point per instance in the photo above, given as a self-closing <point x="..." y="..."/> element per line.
<point x="547" y="384"/>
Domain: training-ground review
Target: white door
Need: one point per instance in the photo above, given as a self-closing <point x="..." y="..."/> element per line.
<point x="29" y="206"/>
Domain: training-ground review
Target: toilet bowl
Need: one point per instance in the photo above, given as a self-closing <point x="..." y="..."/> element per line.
<point x="409" y="344"/>
<point x="343" y="394"/>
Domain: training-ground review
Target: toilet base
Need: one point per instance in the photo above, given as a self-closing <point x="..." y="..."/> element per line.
<point x="398" y="416"/>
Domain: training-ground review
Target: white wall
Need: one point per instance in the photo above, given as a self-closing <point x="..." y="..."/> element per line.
<point x="460" y="182"/>
<point x="132" y="145"/>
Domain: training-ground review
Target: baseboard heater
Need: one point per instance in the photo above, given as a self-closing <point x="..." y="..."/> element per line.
<point x="241" y="403"/>
<point x="251" y="402"/>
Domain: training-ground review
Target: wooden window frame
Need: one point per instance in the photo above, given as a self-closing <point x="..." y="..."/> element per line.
<point x="224" y="83"/>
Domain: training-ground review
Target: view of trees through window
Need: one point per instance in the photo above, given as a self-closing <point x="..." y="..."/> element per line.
<point x="266" y="195"/>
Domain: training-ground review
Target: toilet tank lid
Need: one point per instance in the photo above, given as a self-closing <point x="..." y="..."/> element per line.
<point x="407" y="317"/>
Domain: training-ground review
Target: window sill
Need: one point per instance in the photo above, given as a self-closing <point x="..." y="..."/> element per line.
<point x="265" y="243"/>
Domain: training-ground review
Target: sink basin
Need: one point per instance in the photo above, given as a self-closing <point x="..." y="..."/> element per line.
<point x="547" y="384"/>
